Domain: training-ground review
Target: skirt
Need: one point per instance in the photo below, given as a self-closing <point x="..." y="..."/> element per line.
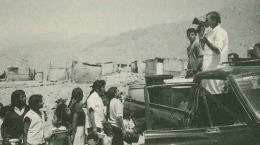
<point x="79" y="136"/>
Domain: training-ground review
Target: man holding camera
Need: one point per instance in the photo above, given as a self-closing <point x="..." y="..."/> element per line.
<point x="216" y="43"/>
<point x="215" y="50"/>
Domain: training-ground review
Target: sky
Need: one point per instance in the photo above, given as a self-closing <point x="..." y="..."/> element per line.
<point x="96" y="17"/>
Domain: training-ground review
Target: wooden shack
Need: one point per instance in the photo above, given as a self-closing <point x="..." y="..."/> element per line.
<point x="85" y="72"/>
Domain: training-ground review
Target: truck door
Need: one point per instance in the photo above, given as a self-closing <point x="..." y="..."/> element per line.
<point x="198" y="132"/>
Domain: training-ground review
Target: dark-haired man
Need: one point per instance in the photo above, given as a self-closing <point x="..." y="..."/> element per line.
<point x="215" y="50"/>
<point x="95" y="107"/>
<point x="12" y="127"/>
<point x="195" y="54"/>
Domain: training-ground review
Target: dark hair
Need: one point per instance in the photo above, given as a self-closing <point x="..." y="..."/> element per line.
<point x="61" y="113"/>
<point x="215" y="15"/>
<point x="98" y="84"/>
<point x="77" y="94"/>
<point x="93" y="136"/>
<point x="34" y="101"/>
<point x="60" y="110"/>
<point x="191" y="30"/>
<point x="15" y="97"/>
<point x="110" y="94"/>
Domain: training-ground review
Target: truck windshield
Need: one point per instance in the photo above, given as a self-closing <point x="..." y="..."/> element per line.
<point x="249" y="84"/>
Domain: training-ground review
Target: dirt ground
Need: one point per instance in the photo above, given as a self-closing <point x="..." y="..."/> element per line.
<point x="52" y="91"/>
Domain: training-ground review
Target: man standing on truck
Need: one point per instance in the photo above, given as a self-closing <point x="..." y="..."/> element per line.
<point x="195" y="54"/>
<point x="215" y="50"/>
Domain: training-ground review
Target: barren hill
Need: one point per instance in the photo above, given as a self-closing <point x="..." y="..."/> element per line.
<point x="241" y="21"/>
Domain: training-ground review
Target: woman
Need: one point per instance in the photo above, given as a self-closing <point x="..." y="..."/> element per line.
<point x="116" y="116"/>
<point x="78" y="117"/>
<point x="34" y="122"/>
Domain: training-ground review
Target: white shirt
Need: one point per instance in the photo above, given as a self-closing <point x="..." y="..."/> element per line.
<point x="217" y="36"/>
<point x="95" y="102"/>
<point x="115" y="111"/>
<point x="211" y="60"/>
<point x="36" y="129"/>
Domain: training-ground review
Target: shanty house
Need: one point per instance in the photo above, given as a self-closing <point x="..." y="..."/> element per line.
<point x="85" y="72"/>
<point x="108" y="68"/>
<point x="16" y="73"/>
<point x="57" y="73"/>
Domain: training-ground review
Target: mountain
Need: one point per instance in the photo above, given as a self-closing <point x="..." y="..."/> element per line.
<point x="241" y="20"/>
<point x="38" y="50"/>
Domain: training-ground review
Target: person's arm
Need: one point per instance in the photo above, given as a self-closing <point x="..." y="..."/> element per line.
<point x="199" y="53"/>
<point x="119" y="115"/>
<point x="27" y="123"/>
<point x="4" y="128"/>
<point x="212" y="46"/>
<point x="91" y="109"/>
<point x="92" y="120"/>
<point x="74" y="125"/>
<point x="121" y="124"/>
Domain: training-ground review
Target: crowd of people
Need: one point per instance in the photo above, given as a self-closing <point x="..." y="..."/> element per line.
<point x="96" y="119"/>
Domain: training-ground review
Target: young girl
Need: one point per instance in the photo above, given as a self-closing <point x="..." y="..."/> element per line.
<point x="61" y="116"/>
<point x="61" y="124"/>
<point x="78" y="117"/>
<point x="34" y="122"/>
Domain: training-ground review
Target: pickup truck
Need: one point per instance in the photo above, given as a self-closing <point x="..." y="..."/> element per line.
<point x="229" y="116"/>
<point x="161" y="108"/>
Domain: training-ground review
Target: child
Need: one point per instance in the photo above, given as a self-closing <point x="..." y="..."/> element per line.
<point x="129" y="127"/>
<point x="34" y="122"/>
<point x="92" y="139"/>
<point x="61" y="116"/>
<point x="107" y="139"/>
<point x="61" y="124"/>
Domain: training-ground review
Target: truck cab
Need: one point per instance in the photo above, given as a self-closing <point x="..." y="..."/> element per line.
<point x="198" y="116"/>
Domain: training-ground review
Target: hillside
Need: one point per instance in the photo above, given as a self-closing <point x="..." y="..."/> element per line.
<point x="241" y="20"/>
<point x="38" y="50"/>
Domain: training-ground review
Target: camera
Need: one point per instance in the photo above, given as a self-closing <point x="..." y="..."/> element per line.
<point x="201" y="25"/>
<point x="196" y="21"/>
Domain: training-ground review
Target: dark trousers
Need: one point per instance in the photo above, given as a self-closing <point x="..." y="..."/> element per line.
<point x="117" y="136"/>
